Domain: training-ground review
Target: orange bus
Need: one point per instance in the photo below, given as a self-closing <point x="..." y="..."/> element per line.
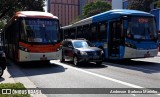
<point x="32" y="36"/>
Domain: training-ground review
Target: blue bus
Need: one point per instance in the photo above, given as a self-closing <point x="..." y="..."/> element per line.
<point x="122" y="34"/>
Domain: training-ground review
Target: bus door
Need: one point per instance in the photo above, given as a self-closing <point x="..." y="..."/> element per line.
<point x="115" y="30"/>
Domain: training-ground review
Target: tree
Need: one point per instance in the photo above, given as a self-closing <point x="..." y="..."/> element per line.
<point x="158" y="4"/>
<point x="9" y="7"/>
<point x="94" y="8"/>
<point x="143" y="5"/>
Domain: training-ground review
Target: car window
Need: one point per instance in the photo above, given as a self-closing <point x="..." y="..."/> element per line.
<point x="80" y="44"/>
<point x="67" y="44"/>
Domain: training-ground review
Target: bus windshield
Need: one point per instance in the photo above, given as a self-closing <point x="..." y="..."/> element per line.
<point x="143" y="28"/>
<point x="40" y="30"/>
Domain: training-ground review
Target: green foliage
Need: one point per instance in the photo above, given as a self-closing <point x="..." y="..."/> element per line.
<point x="158" y="4"/>
<point x="94" y="8"/>
<point x="143" y="5"/>
<point x="80" y="17"/>
<point x="9" y="7"/>
<point x="1" y="25"/>
<point x="13" y="86"/>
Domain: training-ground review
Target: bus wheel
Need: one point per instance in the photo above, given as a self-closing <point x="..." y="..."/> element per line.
<point x="1" y="71"/>
<point x="99" y="63"/>
<point x="75" y="61"/>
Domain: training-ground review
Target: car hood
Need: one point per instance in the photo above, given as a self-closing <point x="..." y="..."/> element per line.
<point x="89" y="49"/>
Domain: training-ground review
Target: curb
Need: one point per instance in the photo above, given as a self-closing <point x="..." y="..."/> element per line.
<point x="14" y="74"/>
<point x="6" y="77"/>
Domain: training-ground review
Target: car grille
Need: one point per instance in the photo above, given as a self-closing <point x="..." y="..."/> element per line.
<point x="94" y="53"/>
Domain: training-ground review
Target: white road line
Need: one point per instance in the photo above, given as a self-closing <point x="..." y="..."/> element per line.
<point x="101" y="76"/>
<point x="131" y="67"/>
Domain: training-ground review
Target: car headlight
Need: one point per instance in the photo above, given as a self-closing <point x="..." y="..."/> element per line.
<point x="83" y="53"/>
<point x="102" y="52"/>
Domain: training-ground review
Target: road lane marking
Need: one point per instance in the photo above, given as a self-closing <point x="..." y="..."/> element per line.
<point x="101" y="76"/>
<point x="130" y="67"/>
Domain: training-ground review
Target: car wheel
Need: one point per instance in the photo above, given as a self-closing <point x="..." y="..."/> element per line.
<point x="62" y="59"/>
<point x="99" y="63"/>
<point x="75" y="61"/>
<point x="1" y="71"/>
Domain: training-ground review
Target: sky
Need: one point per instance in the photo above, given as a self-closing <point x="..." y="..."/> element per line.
<point x="45" y="7"/>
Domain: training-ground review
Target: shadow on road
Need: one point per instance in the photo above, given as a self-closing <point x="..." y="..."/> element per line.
<point x="143" y="66"/>
<point x="34" y="68"/>
<point x="86" y="65"/>
<point x="1" y="79"/>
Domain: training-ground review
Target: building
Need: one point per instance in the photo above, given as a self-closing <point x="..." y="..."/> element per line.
<point x="67" y="10"/>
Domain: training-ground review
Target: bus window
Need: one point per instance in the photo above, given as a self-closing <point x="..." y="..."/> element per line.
<point x="102" y="31"/>
<point x="72" y="33"/>
<point x="87" y="33"/>
<point x="79" y="32"/>
<point x="66" y="34"/>
<point x="94" y="32"/>
<point x="116" y="31"/>
<point x="23" y="34"/>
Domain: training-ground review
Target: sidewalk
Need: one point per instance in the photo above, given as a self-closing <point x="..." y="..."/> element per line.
<point x="158" y="54"/>
<point x="13" y="70"/>
<point x="6" y="77"/>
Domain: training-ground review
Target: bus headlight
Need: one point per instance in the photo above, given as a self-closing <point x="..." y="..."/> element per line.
<point x="23" y="49"/>
<point x="130" y="45"/>
<point x="26" y="50"/>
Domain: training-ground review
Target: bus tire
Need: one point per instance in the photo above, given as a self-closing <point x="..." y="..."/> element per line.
<point x="99" y="63"/>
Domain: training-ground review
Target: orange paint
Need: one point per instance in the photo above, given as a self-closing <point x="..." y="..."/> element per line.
<point x="40" y="48"/>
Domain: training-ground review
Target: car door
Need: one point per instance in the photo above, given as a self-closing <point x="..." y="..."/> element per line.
<point x="68" y="50"/>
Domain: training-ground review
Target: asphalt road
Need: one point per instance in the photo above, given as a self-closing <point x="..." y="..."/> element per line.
<point x="140" y="73"/>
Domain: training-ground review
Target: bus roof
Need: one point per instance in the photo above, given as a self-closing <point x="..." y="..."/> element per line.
<point x="35" y="14"/>
<point x="118" y="13"/>
<point x="125" y="12"/>
<point x="108" y="15"/>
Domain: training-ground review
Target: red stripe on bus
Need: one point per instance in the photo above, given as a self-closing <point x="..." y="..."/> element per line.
<point x="40" y="48"/>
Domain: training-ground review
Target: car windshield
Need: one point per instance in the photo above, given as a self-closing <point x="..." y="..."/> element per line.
<point x="142" y="28"/>
<point x="81" y="44"/>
